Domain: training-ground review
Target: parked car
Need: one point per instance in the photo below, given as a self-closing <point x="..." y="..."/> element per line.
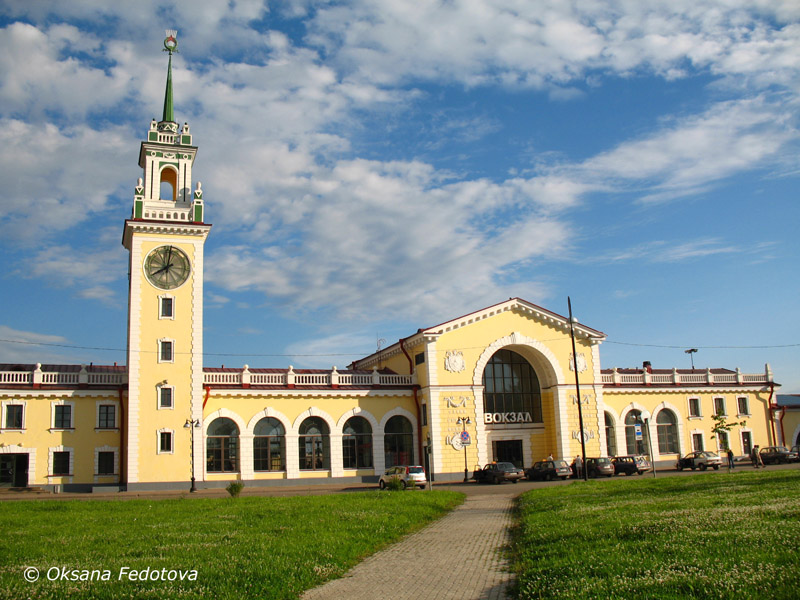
<point x="407" y="474"/>
<point x="796" y="450"/>
<point x="702" y="459"/>
<point x="498" y="473"/>
<point x="599" y="467"/>
<point x="548" y="470"/>
<point x="630" y="465"/>
<point x="774" y="455"/>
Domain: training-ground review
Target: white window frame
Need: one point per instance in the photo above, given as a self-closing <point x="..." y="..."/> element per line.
<point x="4" y="415"/>
<point x="739" y="413"/>
<point x="71" y="404"/>
<point x="99" y="403"/>
<point x="742" y="431"/>
<point x="53" y="450"/>
<point x="171" y="432"/>
<point x="724" y="412"/>
<point x="160" y="387"/>
<point x="699" y="432"/>
<point x="699" y="414"/>
<point x="172" y="354"/>
<point x="97" y="452"/>
<point x="161" y="299"/>
<point x="719" y="441"/>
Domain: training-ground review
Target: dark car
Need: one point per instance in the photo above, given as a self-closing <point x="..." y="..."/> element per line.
<point x="796" y="450"/>
<point x="498" y="473"/>
<point x="548" y="470"/>
<point x="630" y="465"/>
<point x="700" y="459"/>
<point x="775" y="455"/>
<point x="599" y="467"/>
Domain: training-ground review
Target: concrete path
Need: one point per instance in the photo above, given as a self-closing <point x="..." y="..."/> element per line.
<point x="456" y="557"/>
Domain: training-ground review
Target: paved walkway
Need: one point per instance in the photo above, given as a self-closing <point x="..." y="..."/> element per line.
<point x="456" y="557"/>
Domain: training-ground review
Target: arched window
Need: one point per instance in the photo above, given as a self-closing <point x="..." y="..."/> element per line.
<point x="357" y="444"/>
<point x="315" y="445"/>
<point x="667" y="431"/>
<point x="634" y="446"/>
<point x="398" y="442"/>
<point x="222" y="446"/>
<point x="169" y="184"/>
<point x="511" y="386"/>
<point x="611" y="435"/>
<point x="269" y="445"/>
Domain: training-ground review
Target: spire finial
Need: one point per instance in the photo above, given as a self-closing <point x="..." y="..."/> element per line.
<point x="170" y="45"/>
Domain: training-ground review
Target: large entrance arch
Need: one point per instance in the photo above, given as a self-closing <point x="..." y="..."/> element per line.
<point x="519" y="400"/>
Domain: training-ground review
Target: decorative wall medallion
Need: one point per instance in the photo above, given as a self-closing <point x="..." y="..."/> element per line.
<point x="453" y="403"/>
<point x="456" y="443"/>
<point x="454" y="361"/>
<point x="574" y="399"/>
<point x="581" y="363"/>
<point x="587" y="435"/>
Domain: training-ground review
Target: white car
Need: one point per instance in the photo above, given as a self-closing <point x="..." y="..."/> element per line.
<point x="406" y="474"/>
<point x="699" y="460"/>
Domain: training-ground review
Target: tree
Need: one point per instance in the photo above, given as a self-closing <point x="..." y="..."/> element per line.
<point x="722" y="426"/>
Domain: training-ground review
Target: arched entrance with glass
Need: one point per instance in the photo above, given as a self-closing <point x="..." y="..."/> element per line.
<point x="398" y="442"/>
<point x="611" y="435"/>
<point x="667" y="432"/>
<point x="314" y="445"/>
<point x="512" y="398"/>
<point x="269" y="445"/>
<point x="222" y="446"/>
<point x="634" y="446"/>
<point x="357" y="444"/>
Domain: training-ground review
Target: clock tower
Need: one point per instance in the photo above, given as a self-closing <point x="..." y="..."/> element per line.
<point x="165" y="237"/>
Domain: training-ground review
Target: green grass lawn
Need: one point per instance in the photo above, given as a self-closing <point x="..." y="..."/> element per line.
<point x="706" y="536"/>
<point x="248" y="547"/>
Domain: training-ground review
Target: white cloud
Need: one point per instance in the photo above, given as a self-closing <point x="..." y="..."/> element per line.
<point x="27" y="347"/>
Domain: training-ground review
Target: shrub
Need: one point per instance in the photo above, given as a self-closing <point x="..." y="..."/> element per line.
<point x="234" y="488"/>
<point x="395" y="484"/>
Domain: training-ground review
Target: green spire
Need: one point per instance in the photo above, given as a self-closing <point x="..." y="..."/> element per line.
<point x="170" y="45"/>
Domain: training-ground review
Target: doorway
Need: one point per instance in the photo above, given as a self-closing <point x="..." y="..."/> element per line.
<point x="508" y="451"/>
<point x="747" y="443"/>
<point x="14" y="470"/>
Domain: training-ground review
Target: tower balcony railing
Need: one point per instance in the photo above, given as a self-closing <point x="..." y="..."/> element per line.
<point x="677" y="378"/>
<point x="292" y="378"/>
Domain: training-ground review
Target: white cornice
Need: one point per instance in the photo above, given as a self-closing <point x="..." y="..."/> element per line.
<point x="295" y="393"/>
<point x="162" y="228"/>
<point x="610" y="390"/>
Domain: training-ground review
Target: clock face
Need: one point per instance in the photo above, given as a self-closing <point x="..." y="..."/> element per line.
<point x="167" y="267"/>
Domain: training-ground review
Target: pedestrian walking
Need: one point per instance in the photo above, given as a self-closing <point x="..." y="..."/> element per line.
<point x="578" y="465"/>
<point x="730" y="459"/>
<point x="755" y="457"/>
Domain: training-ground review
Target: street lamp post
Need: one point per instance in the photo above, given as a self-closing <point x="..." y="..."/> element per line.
<point x="572" y="322"/>
<point x="464" y="421"/>
<point x="191" y="425"/>
<point x="691" y="352"/>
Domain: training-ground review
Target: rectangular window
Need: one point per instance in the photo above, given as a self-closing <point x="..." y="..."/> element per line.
<point x="60" y="463"/>
<point x="722" y="440"/>
<point x="13" y="416"/>
<point x="106" y="416"/>
<point x="165" y="351"/>
<point x="105" y="463"/>
<point x="694" y="407"/>
<point x="697" y="442"/>
<point x="167" y="308"/>
<point x="424" y="410"/>
<point x="742" y="405"/>
<point x="165" y="442"/>
<point x="165" y="397"/>
<point x="63" y="417"/>
<point x="719" y="406"/>
<point x="419" y="358"/>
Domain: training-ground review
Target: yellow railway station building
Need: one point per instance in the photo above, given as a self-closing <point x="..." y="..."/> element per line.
<point x="496" y="384"/>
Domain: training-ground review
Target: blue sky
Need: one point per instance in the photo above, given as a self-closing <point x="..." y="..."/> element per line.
<point x="371" y="168"/>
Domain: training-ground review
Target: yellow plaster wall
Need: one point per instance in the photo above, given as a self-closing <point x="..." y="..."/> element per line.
<point x="678" y="401"/>
<point x="154" y="466"/>
<point x="82" y="439"/>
